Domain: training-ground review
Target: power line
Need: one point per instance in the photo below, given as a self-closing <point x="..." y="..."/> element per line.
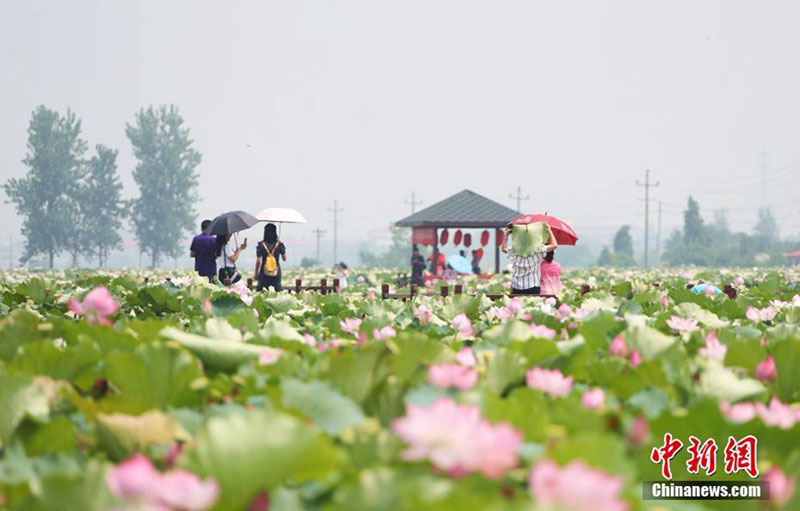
<point x="647" y="185"/>
<point x="336" y="210"/>
<point x="414" y="203"/>
<point x="319" y="233"/>
<point x="519" y="198"/>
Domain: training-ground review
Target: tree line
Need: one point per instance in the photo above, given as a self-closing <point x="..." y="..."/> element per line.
<point x="713" y="244"/>
<point x="71" y="202"/>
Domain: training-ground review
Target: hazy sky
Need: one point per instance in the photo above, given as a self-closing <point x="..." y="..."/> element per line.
<point x="297" y="103"/>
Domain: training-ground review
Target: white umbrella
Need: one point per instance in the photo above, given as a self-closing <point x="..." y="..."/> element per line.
<point x="281" y="215"/>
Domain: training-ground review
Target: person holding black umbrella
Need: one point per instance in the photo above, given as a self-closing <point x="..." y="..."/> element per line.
<point x="203" y="250"/>
<point x="226" y="259"/>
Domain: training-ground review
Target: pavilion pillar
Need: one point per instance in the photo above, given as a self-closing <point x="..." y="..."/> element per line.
<point x="497" y="241"/>
<point x="435" y="256"/>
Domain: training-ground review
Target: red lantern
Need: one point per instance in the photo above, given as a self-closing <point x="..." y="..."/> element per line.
<point x="443" y="237"/>
<point x="498" y="237"/>
<point x="484" y="238"/>
<point x="480" y="253"/>
<point x="467" y="239"/>
<point x="457" y="238"/>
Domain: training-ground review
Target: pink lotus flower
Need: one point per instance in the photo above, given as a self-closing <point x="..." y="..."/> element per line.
<point x="564" y="312"/>
<point x="551" y="382"/>
<point x="739" y="412"/>
<point x="757" y="315"/>
<point x="309" y="339"/>
<point x="635" y="359"/>
<point x="137" y="482"/>
<point x="664" y="301"/>
<point x="457" y="440"/>
<point x="255" y="313"/>
<point x="683" y="325"/>
<point x="714" y="349"/>
<point x="462" y="324"/>
<point x="466" y="357"/>
<point x="371" y="294"/>
<point x="514" y="306"/>
<point x="240" y="289"/>
<point x="781" y="487"/>
<point x="766" y="369"/>
<point x="269" y="356"/>
<point x="778" y="414"/>
<point x="593" y="399"/>
<point x="575" y="487"/>
<point x="185" y="491"/>
<point x="618" y="347"/>
<point x="452" y="375"/>
<point x="96" y="306"/>
<point x="423" y="313"/>
<point x="542" y="332"/>
<point x="206" y="307"/>
<point x="639" y="431"/>
<point x="501" y="313"/>
<point x="738" y="281"/>
<point x="384" y="333"/>
<point x="360" y="279"/>
<point x="350" y="325"/>
<point x="709" y="291"/>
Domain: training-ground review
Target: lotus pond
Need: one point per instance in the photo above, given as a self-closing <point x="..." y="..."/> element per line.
<point x="157" y="390"/>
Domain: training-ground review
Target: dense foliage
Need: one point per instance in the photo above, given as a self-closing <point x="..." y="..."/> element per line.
<point x="129" y="389"/>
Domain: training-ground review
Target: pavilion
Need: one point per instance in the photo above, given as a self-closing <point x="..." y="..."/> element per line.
<point x="464" y="210"/>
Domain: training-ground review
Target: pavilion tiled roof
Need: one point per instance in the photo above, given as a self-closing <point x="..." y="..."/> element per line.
<point x="464" y="209"/>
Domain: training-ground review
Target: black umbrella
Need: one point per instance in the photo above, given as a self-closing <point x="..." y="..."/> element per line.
<point x="231" y="222"/>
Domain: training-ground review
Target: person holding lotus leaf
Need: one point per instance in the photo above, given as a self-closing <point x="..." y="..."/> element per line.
<point x="526" y="254"/>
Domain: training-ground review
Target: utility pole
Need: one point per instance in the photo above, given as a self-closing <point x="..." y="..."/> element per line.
<point x="336" y="210"/>
<point x="414" y="203"/>
<point x="319" y="233"/>
<point x="658" y="235"/>
<point x="647" y="185"/>
<point x="519" y="198"/>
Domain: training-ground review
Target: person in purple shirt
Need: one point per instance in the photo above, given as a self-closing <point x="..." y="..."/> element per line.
<point x="204" y="252"/>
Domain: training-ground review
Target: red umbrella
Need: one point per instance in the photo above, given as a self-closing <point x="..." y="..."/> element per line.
<point x="457" y="238"/>
<point x="563" y="232"/>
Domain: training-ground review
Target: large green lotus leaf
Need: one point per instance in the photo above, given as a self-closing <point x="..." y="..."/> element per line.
<point x="605" y="303"/>
<point x="413" y="352"/>
<point x="279" y="329"/>
<point x="19" y="397"/>
<point x="721" y="383"/>
<point x="648" y="341"/>
<point x="456" y="304"/>
<point x="226" y="304"/>
<point x="534" y="350"/>
<point x="526" y="239"/>
<point x="524" y="408"/>
<point x="503" y="369"/>
<point x="597" y="449"/>
<point x="355" y="372"/>
<point x="19" y="328"/>
<point x="695" y="311"/>
<point x="221" y="329"/>
<point x="121" y="435"/>
<point x="330" y="410"/>
<point x="744" y="353"/>
<point x="508" y="331"/>
<point x="217" y="354"/>
<point x="599" y="329"/>
<point x="81" y="488"/>
<point x="152" y="376"/>
<point x="43" y="357"/>
<point x="57" y="435"/>
<point x="281" y="303"/>
<point x="787" y="363"/>
<point x="258" y="451"/>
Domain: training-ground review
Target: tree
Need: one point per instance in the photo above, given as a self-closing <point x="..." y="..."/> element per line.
<point x="693" y="229"/>
<point x="623" y="244"/>
<point x="167" y="180"/>
<point x="605" y="257"/>
<point x="397" y="256"/>
<point x="102" y="204"/>
<point x="45" y="197"/>
<point x="765" y="231"/>
<point x="309" y="262"/>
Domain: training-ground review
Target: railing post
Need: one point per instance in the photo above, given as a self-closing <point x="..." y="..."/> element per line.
<point x="412" y="290"/>
<point x="323" y="283"/>
<point x="458" y="288"/>
<point x="384" y="291"/>
<point x="335" y="285"/>
<point x="298" y="285"/>
<point x="444" y="291"/>
<point x="585" y="289"/>
<point x="250" y="283"/>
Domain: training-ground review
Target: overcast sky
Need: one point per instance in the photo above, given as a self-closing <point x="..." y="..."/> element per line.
<point x="298" y="103"/>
